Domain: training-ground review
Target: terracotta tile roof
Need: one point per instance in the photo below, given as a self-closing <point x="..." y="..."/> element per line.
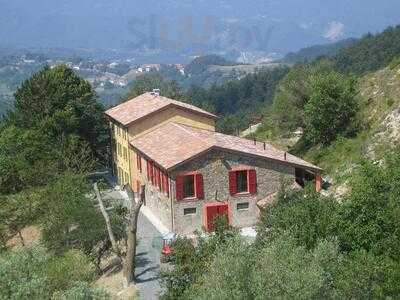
<point x="146" y="104"/>
<point x="173" y="144"/>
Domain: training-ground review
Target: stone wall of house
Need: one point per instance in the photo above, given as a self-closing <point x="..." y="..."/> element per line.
<point x="159" y="204"/>
<point x="215" y="167"/>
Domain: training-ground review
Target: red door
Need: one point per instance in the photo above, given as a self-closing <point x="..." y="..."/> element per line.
<point x="213" y="211"/>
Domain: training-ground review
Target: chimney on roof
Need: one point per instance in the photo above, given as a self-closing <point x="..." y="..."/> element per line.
<point x="285" y="156"/>
<point x="156" y="92"/>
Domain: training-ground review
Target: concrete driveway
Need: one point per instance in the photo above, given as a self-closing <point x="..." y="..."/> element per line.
<point x="148" y="259"/>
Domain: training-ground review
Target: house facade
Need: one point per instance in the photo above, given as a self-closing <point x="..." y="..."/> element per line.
<point x="192" y="173"/>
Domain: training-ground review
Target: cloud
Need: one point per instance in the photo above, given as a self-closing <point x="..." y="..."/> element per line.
<point x="335" y="31"/>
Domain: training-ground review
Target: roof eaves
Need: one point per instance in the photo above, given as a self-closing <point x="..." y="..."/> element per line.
<point x="171" y="168"/>
<point x="311" y="168"/>
<point x="112" y="118"/>
<point x="209" y="115"/>
<point x="147" y="157"/>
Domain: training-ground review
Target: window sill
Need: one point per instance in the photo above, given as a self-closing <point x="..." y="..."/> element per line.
<point x="244" y="194"/>
<point x="189" y="199"/>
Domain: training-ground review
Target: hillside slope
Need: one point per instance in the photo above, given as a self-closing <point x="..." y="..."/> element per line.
<point x="379" y="96"/>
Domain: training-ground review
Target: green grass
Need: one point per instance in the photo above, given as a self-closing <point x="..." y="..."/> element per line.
<point x="341" y="156"/>
<point x="395" y="63"/>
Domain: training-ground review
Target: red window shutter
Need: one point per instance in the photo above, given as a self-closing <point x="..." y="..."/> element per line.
<point x="179" y="188"/>
<point x="162" y="181"/>
<point x="139" y="162"/>
<point x="159" y="179"/>
<point x="152" y="172"/>
<point x="252" y="181"/>
<point x="166" y="184"/>
<point x="199" y="186"/>
<point x="232" y="182"/>
<point x="148" y="170"/>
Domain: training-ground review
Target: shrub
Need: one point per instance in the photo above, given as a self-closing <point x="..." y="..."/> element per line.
<point x="305" y="214"/>
<point x="285" y="270"/>
<point x="368" y="219"/>
<point x="20" y="274"/>
<point x="191" y="262"/>
<point x="366" y="276"/>
<point x="36" y="274"/>
<point x="81" y="291"/>
<point x="228" y="274"/>
<point x="68" y="269"/>
<point x="280" y="270"/>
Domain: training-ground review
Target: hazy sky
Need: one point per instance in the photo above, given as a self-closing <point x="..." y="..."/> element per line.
<point x="285" y="24"/>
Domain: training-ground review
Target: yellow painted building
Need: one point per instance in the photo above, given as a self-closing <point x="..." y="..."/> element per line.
<point x="139" y="116"/>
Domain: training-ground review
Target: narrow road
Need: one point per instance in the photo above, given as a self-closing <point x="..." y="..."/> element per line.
<point x="148" y="249"/>
<point x="148" y="260"/>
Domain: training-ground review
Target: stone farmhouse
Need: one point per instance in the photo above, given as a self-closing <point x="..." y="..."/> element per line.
<point x="193" y="173"/>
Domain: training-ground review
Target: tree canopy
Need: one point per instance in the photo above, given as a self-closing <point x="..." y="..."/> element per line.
<point x="332" y="108"/>
<point x="370" y="53"/>
<point x="148" y="82"/>
<point x="59" y="103"/>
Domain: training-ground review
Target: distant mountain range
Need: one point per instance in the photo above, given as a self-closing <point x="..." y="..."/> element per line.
<point x="171" y="30"/>
<point x="311" y="53"/>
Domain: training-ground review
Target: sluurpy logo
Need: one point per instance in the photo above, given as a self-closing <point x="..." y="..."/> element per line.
<point x="156" y="32"/>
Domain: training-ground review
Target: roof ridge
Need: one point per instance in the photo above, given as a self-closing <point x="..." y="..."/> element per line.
<point x="186" y="142"/>
<point x="232" y="136"/>
<point x="182" y="126"/>
<point x="256" y="147"/>
<point x="146" y="104"/>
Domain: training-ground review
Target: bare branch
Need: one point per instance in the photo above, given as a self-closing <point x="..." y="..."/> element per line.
<point x="107" y="219"/>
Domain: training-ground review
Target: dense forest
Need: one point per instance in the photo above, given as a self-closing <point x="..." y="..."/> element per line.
<point x="312" y="53"/>
<point x="371" y="53"/>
